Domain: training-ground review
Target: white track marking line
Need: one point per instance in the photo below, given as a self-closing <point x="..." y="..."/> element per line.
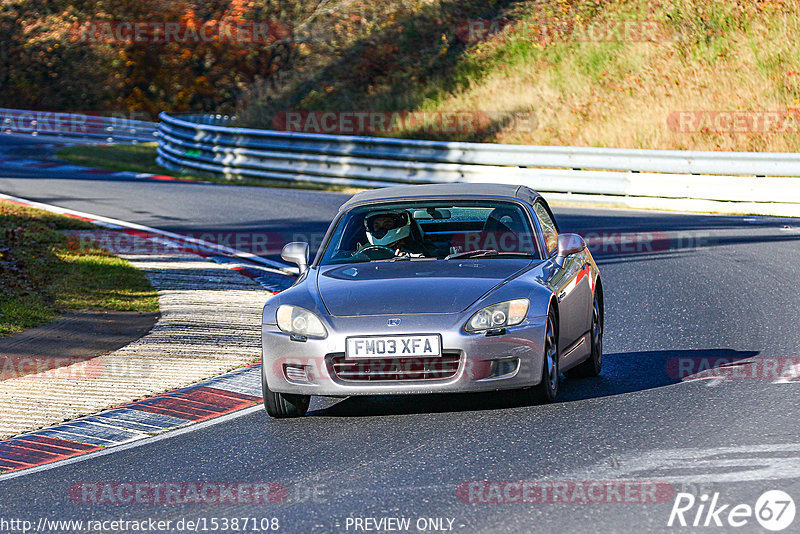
<point x="746" y="463"/>
<point x="791" y="375"/>
<point x="133" y="444"/>
<point x="284" y="269"/>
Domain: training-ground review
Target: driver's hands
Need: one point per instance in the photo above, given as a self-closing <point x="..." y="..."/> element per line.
<point x="401" y="253"/>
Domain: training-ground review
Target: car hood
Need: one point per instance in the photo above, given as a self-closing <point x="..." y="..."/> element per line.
<point x="411" y="287"/>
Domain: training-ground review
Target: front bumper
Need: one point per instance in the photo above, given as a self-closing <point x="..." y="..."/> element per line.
<point x="478" y="362"/>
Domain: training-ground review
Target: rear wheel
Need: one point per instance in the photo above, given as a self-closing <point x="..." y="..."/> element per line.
<point x="283" y="405"/>
<point x="594" y="364"/>
<point x="546" y="390"/>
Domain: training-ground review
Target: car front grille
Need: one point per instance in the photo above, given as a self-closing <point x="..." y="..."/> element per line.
<point x="394" y="369"/>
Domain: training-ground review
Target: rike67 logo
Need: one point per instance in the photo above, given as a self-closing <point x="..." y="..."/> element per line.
<point x="774" y="510"/>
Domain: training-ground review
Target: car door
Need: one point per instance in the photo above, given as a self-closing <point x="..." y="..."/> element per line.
<point x="571" y="286"/>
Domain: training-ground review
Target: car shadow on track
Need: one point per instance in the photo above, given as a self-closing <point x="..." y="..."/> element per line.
<point x="624" y="372"/>
<point x="627" y="372"/>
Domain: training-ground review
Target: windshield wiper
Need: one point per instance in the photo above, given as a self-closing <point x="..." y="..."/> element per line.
<point x="389" y="260"/>
<point x="485" y="253"/>
<point x="472" y="254"/>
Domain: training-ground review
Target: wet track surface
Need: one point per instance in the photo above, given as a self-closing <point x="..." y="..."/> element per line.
<point x="683" y="288"/>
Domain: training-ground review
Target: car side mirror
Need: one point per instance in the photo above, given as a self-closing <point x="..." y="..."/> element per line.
<point x="569" y="244"/>
<point x="296" y="252"/>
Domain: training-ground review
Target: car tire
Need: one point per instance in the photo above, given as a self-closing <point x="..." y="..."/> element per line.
<point x="593" y="365"/>
<point x="546" y="390"/>
<point x="283" y="405"/>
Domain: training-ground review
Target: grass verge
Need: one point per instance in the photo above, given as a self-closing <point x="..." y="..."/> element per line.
<point x="142" y="158"/>
<point x="44" y="272"/>
<point x="130" y="158"/>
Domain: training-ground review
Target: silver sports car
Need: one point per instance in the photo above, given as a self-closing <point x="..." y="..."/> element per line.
<point x="434" y="289"/>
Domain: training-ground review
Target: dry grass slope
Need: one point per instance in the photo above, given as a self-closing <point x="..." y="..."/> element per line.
<point x="613" y="73"/>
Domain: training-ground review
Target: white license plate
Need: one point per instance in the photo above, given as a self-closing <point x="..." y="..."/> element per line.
<point x="394" y="346"/>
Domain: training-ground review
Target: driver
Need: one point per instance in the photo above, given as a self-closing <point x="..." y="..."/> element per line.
<point x="392" y="229"/>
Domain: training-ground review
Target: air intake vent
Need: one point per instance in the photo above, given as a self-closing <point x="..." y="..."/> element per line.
<point x="395" y="369"/>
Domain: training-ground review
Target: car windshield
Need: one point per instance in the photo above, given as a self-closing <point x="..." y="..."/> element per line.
<point x="432" y="230"/>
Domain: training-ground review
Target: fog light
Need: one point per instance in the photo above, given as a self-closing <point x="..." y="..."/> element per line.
<point x="296" y="373"/>
<point x="501" y="368"/>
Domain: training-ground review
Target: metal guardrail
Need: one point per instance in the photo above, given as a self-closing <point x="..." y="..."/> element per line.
<point x="201" y="143"/>
<point x="47" y="123"/>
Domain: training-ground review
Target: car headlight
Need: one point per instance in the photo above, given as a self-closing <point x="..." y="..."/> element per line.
<point x="294" y="320"/>
<point x="509" y="313"/>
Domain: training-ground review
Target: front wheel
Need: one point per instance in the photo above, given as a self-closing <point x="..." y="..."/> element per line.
<point x="546" y="390"/>
<point x="283" y="405"/>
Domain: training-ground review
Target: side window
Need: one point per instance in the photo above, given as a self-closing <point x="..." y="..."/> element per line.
<point x="548" y="228"/>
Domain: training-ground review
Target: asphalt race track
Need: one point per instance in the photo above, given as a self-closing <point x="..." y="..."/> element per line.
<point x="698" y="287"/>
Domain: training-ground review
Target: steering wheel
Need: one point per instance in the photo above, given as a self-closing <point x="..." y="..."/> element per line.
<point x="376" y="252"/>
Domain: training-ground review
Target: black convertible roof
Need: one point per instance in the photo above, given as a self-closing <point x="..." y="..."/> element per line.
<point x="403" y="192"/>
